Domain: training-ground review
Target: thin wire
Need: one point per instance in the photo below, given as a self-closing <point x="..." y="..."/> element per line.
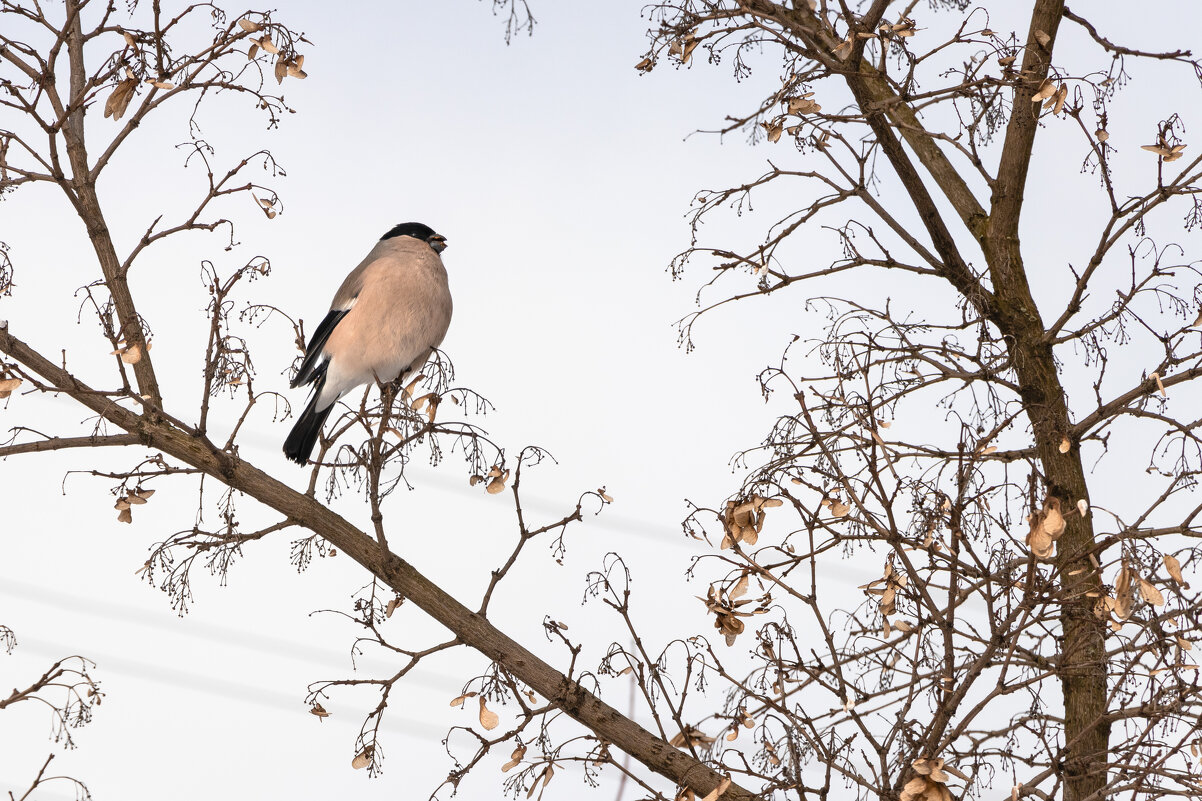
<point x="264" y="643"/>
<point x="209" y="684"/>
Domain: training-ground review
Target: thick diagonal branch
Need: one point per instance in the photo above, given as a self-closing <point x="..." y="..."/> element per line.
<point x="472" y="629"/>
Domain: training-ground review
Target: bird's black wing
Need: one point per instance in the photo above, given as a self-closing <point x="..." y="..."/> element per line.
<point x="311" y="365"/>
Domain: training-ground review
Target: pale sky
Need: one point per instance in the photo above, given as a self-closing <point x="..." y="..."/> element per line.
<point x="561" y="179"/>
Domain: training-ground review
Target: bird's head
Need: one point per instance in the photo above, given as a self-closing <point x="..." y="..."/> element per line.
<point x="419" y="231"/>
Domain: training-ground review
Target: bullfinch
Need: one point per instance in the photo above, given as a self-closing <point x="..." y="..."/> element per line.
<point x="388" y="316"/>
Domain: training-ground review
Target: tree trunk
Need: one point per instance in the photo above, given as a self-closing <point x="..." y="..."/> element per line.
<point x="1082" y="660"/>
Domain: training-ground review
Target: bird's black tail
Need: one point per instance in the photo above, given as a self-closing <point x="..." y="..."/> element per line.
<point x="304" y="434"/>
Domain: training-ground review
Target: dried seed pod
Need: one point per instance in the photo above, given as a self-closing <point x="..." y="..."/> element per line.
<point x="459" y="699"/>
<point x="1174" y="567"/>
<point x="1150" y="593"/>
<point x="1053" y="522"/>
<point x="132" y="354"/>
<point x="488" y="719"/>
<point x="515" y="759"/>
<point x="119" y="99"/>
<point x="1045" y="90"/>
<point x="363" y="758"/>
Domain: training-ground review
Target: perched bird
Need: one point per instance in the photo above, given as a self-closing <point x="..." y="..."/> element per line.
<point x="388" y="316"/>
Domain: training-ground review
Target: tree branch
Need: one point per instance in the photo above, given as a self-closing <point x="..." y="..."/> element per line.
<point x="1175" y="55"/>
<point x="474" y="630"/>
<point x="61" y="443"/>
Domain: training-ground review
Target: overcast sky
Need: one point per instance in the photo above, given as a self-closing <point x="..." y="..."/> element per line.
<point x="561" y="178"/>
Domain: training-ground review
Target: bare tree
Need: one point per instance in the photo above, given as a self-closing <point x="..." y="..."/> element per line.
<point x="64" y="71"/>
<point x="1031" y="629"/>
<point x="1030" y="632"/>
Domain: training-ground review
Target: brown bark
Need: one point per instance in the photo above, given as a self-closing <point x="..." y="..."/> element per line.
<point x="472" y="629"/>
<point x="1082" y="661"/>
<point x="1012" y="308"/>
<point x="874" y="95"/>
<point x="87" y="204"/>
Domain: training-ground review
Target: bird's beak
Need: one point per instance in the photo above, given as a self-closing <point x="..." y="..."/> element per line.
<point x="439" y="244"/>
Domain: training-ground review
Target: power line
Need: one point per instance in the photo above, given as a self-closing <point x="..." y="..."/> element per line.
<point x="198" y="682"/>
<point x="209" y="684"/>
<point x="609" y="520"/>
<point x="264" y="643"/>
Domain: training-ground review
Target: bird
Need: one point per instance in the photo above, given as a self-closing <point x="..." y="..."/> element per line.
<point x="386" y="319"/>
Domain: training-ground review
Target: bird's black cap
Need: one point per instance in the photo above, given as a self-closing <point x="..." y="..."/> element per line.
<point x="414" y="229"/>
